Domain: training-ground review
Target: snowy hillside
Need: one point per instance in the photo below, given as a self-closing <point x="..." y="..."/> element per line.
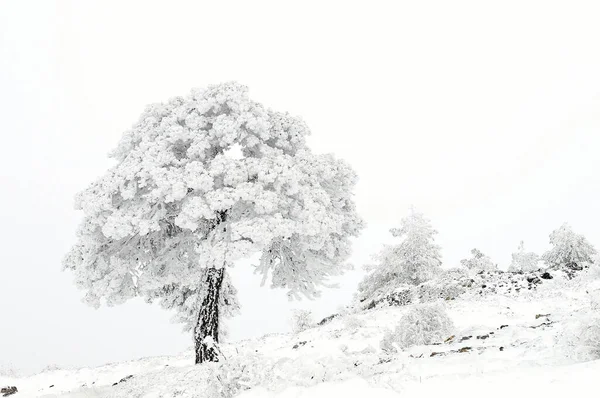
<point x="502" y="346"/>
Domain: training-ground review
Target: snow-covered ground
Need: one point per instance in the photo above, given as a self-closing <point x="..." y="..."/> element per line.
<point x="503" y="346"/>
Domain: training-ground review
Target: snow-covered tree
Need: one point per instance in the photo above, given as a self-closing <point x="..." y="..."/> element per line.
<point x="568" y="249"/>
<point x="524" y="261"/>
<point x="200" y="182"/>
<point x="301" y="320"/>
<point x="414" y="260"/>
<point x="478" y="262"/>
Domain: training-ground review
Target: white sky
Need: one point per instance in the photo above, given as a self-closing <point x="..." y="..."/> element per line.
<point x="485" y="115"/>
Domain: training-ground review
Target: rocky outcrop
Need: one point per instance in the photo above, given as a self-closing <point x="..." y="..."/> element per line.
<point x="9" y="390"/>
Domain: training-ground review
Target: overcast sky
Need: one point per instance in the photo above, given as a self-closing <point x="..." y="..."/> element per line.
<point x="484" y="115"/>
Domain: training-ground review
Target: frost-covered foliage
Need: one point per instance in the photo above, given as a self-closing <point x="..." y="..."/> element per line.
<point x="524" y="261"/>
<point x="568" y="249"/>
<point x="414" y="260"/>
<point x="423" y="324"/>
<point x="478" y="262"/>
<point x="301" y="320"/>
<point x="352" y="323"/>
<point x="582" y="339"/>
<point x="228" y="379"/>
<point x="201" y="181"/>
<point x="585" y="339"/>
<point x="7" y="370"/>
<point x="593" y="272"/>
<point x="449" y="285"/>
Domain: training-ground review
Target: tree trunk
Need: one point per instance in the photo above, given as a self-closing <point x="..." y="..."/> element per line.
<point x="206" y="332"/>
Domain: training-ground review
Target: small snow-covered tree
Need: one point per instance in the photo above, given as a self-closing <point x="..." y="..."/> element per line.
<point x="524" y="261"/>
<point x="200" y="182"/>
<point x="414" y="260"/>
<point x="568" y="249"/>
<point x="478" y="262"/>
<point x="301" y="320"/>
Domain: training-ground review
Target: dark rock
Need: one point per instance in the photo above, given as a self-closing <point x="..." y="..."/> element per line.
<point x="433" y="354"/>
<point x="465" y="338"/>
<point x="574" y="266"/>
<point x="501" y="348"/>
<point x="483" y="337"/>
<point x="124" y="379"/>
<point x="483" y="286"/>
<point x="299" y="344"/>
<point x="51" y="386"/>
<point x="538" y="316"/>
<point x="546" y="275"/>
<point x="541" y="325"/>
<point x="503" y="326"/>
<point x="8" y="390"/>
<point x="327" y="319"/>
<point x="464" y="349"/>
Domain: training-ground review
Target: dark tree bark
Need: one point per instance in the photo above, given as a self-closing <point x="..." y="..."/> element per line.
<point x="208" y="319"/>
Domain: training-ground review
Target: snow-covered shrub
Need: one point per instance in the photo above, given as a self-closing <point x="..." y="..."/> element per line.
<point x="8" y="370"/>
<point x="421" y="325"/>
<point x="478" y="262"/>
<point x="569" y="250"/>
<point x="455" y="274"/>
<point x="229" y="378"/>
<point x="582" y="340"/>
<point x="432" y="291"/>
<point x="589" y="337"/>
<point x="593" y="272"/>
<point x="352" y="323"/>
<point x="449" y="285"/>
<point x="301" y="320"/>
<point x="524" y="261"/>
<point x="51" y="368"/>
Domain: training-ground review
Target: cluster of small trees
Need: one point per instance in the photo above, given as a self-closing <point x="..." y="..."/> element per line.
<point x="416" y="259"/>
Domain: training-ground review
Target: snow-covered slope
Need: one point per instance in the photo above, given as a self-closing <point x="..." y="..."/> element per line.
<point x="503" y="346"/>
